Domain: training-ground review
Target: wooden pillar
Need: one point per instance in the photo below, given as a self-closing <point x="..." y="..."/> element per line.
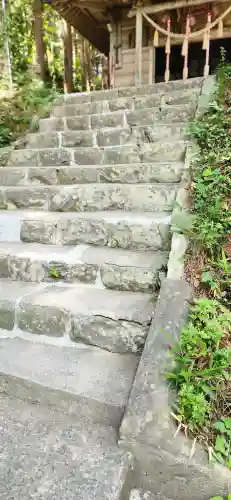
<point x="112" y="57"/>
<point x="154" y="65"/>
<point x="138" y="51"/>
<point x="150" y="65"/>
<point x="68" y="57"/>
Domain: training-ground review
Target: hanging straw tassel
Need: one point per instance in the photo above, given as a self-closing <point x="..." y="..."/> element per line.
<point x="184" y="47"/>
<point x="206" y="66"/>
<point x="205" y="41"/>
<point x="167" y="76"/>
<point x="167" y="52"/>
<point x="156" y="39"/>
<point x="185" y="72"/>
<point x="167" y="46"/>
<point x="220" y="30"/>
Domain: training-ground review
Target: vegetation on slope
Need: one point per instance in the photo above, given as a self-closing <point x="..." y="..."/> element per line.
<point x="202" y="368"/>
<point x="20" y="112"/>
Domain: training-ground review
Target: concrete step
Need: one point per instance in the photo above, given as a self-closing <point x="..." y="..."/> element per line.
<point x="105" y="137"/>
<point x="113" y="268"/>
<point x="168" y="172"/>
<point x="138" y="494"/>
<point x="143" y="153"/>
<point x="112" y="229"/>
<point x="113" y="320"/>
<point x="125" y="118"/>
<point x="43" y="457"/>
<point x="177" y="97"/>
<point x="156" y="88"/>
<point x="135" y="231"/>
<point x="77" y="379"/>
<point x="91" y="197"/>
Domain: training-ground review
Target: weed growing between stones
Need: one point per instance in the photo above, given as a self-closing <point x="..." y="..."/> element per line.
<point x="54" y="273"/>
<point x="202" y="358"/>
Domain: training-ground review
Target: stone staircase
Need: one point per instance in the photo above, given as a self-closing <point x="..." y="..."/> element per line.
<point x="85" y="234"/>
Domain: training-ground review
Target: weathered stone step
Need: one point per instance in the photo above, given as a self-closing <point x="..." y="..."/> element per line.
<point x="77" y="379"/>
<point x="112" y="229"/>
<point x="143" y="153"/>
<point x="117" y="321"/>
<point x="46" y="455"/>
<point x="106" y="137"/>
<point x="178" y="97"/>
<point x="134" y="173"/>
<point x="148" y="116"/>
<point x="114" y="268"/>
<point x="146" y="495"/>
<point x="91" y="197"/>
<point x="157" y="88"/>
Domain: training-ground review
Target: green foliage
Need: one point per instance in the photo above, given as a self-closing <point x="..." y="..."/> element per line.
<point x="201" y="375"/>
<point x="222" y="446"/>
<point x="54" y="273"/>
<point x="18" y="29"/>
<point x="16" y="113"/>
<point x="211" y="188"/>
<point x="221" y="498"/>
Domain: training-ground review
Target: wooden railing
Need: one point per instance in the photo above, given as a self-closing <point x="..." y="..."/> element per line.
<point x="184" y="38"/>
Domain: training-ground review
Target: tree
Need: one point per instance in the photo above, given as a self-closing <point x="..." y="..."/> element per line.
<point x="41" y="56"/>
<point x="68" y="57"/>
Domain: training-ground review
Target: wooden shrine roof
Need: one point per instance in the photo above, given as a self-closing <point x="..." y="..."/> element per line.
<point x="91" y="17"/>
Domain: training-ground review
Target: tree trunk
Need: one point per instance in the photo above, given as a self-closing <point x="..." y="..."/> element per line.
<point x="41" y="58"/>
<point x="6" y="70"/>
<point x="68" y="57"/>
<point x="85" y="84"/>
<point x="89" y="66"/>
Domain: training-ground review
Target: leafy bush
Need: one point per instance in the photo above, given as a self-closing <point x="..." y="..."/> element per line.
<point x="202" y="377"/>
<point x="211" y="189"/>
<point x="30" y="100"/>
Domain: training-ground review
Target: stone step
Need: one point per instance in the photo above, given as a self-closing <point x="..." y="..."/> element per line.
<point x="138" y="494"/>
<point x="75" y="379"/>
<point x="112" y="268"/>
<point x="116" y="321"/>
<point x="157" y="88"/>
<point x="90" y="197"/>
<point x="136" y="231"/>
<point x="177" y="97"/>
<point x="45" y="454"/>
<point x="125" y="118"/>
<point x="129" y="173"/>
<point x="105" y="137"/>
<point x="143" y="153"/>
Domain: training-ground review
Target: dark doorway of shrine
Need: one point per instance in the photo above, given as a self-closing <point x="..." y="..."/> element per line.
<point x="196" y="59"/>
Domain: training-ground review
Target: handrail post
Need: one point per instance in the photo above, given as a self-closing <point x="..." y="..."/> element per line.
<point x="138" y="51"/>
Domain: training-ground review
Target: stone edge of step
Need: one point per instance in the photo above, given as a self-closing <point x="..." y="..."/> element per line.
<point x="127" y="230"/>
<point x="121" y="270"/>
<point x="135" y="103"/>
<point x="48" y="309"/>
<point x="140" y="90"/>
<point x="113" y="173"/>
